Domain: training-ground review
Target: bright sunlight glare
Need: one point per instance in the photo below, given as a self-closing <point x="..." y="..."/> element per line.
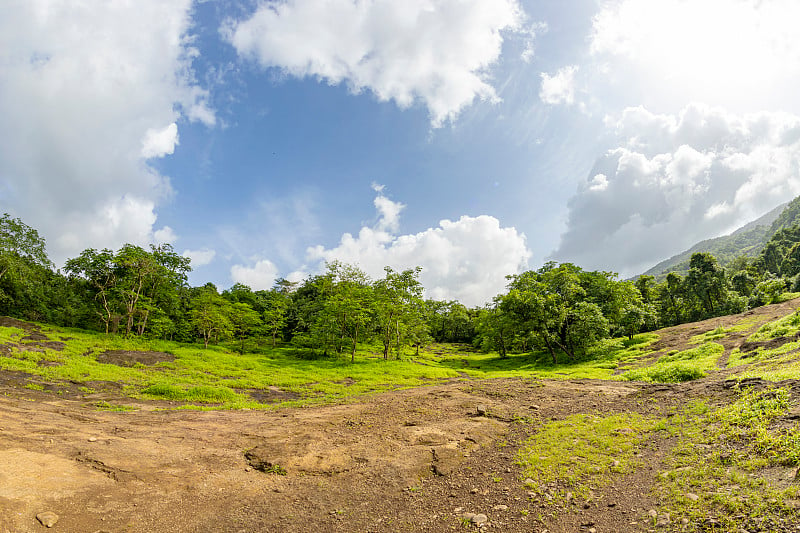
<point x="708" y="47"/>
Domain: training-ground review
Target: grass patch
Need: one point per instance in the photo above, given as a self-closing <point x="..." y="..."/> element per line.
<point x="783" y="327"/>
<point x="581" y="452"/>
<point x="717" y="472"/>
<point x="675" y="367"/>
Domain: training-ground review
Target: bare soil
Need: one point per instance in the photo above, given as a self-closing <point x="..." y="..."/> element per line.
<point x="411" y="460"/>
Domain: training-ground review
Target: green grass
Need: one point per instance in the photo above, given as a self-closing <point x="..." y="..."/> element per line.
<point x="718" y="468"/>
<point x="581" y="452"/>
<point x="218" y="377"/>
<point x="676" y="367"/>
<point x="784" y="327"/>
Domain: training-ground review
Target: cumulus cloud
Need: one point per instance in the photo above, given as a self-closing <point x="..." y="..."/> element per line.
<point x="165" y="235"/>
<point x="90" y="91"/>
<point x="260" y="276"/>
<point x="436" y="52"/>
<point x="466" y="259"/>
<point x="560" y="87"/>
<point x="158" y="143"/>
<point x="674" y="180"/>
<point x="201" y="257"/>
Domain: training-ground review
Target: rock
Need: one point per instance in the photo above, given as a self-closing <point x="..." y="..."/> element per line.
<point x="479" y="519"/>
<point x="592" y="530"/>
<point x="92" y="439"/>
<point x="692" y="496"/>
<point x="528" y="481"/>
<point x="684" y="521"/>
<point x="47" y="518"/>
<point x="473" y="491"/>
<point x="652" y="513"/>
<point x="614" y="464"/>
<point x="481" y="409"/>
<point x="500" y="508"/>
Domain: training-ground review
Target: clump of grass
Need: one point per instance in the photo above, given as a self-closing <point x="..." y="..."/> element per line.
<point x="716" y="469"/>
<point x="676" y="367"/>
<point x="200" y="394"/>
<point x="783" y="327"/>
<point x="580" y="451"/>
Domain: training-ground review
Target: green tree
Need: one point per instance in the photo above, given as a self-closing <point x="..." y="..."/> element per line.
<point x="210" y="314"/>
<point x="245" y="321"/>
<point x="398" y="303"/>
<point x="99" y="270"/>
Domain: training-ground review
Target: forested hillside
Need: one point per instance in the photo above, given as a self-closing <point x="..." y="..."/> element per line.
<point x="747" y="241"/>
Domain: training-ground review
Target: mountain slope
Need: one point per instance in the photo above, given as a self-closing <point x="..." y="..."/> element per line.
<point x="748" y="240"/>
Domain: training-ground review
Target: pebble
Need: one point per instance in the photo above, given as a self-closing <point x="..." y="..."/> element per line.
<point x="473" y="491"/>
<point x="500" y="508"/>
<point x="47" y="518"/>
<point x="692" y="496"/>
<point x="92" y="439"/>
<point x="592" y="530"/>
<point x="684" y="521"/>
<point x="652" y="513"/>
<point x="481" y="409"/>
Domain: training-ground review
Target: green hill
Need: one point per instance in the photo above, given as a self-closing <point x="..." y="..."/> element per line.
<point x="748" y="240"/>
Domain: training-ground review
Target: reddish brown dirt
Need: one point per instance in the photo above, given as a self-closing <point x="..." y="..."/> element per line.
<point x="412" y="460"/>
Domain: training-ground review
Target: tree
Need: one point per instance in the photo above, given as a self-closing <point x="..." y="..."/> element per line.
<point x="276" y="306"/>
<point x="99" y="270"/>
<point x="20" y="247"/>
<point x="398" y="303"/>
<point x="245" y="320"/>
<point x="210" y="314"/>
<point x="706" y="281"/>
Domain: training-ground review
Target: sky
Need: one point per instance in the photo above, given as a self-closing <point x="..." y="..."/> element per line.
<point x="473" y="138"/>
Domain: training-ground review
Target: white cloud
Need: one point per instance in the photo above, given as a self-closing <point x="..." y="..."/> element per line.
<point x="388" y="213"/>
<point x="201" y="257"/>
<point x="436" y="52"/>
<point x="674" y="180"/>
<point x="466" y="259"/>
<point x="165" y="235"/>
<point x="87" y="91"/>
<point x="158" y="143"/>
<point x="260" y="276"/>
<point x="560" y="87"/>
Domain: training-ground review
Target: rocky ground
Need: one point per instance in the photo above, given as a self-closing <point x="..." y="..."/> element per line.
<point x="438" y="458"/>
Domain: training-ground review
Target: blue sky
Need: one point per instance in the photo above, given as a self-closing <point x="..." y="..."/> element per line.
<point x="475" y="138"/>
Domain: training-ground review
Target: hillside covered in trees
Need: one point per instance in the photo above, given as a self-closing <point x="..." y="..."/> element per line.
<point x="747" y="241"/>
<point x="559" y="309"/>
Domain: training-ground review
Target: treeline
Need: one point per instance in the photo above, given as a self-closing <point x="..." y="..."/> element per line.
<point x="559" y="309"/>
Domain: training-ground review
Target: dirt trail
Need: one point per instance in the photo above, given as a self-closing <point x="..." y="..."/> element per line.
<point x="411" y="460"/>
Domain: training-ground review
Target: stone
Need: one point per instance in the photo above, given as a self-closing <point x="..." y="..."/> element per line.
<point x="92" y="439"/>
<point x="481" y="409"/>
<point x="47" y="518"/>
<point x="692" y="496"/>
<point x="473" y="491"/>
<point x="500" y="508"/>
<point x="479" y="519"/>
<point x="684" y="521"/>
<point x="652" y="513"/>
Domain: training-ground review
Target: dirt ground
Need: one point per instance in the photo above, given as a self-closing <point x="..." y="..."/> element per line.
<point x="412" y="460"/>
